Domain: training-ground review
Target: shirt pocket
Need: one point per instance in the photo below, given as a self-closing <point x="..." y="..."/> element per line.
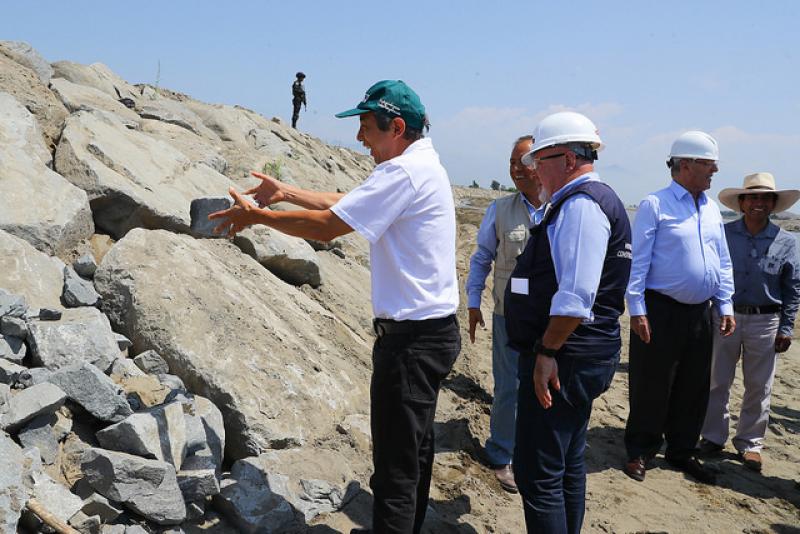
<point x="517" y="235"/>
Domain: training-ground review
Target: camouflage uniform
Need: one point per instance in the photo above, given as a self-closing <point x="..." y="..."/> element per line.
<point x="298" y="98"/>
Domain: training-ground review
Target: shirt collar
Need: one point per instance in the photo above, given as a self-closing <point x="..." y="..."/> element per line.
<point x="680" y="192"/>
<point x="419" y="144"/>
<point x="574" y="183"/>
<point x="769" y="232"/>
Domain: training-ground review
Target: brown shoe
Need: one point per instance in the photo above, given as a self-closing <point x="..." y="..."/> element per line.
<point x="505" y="476"/>
<point x="751" y="460"/>
<point x="636" y="468"/>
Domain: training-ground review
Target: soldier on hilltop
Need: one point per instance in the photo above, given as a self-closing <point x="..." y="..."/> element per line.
<point x="298" y="97"/>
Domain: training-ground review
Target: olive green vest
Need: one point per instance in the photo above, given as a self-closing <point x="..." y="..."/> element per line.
<point x="512" y="220"/>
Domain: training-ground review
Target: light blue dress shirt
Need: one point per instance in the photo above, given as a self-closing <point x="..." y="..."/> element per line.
<point x="481" y="262"/>
<point x="679" y="249"/>
<point x="578" y="241"/>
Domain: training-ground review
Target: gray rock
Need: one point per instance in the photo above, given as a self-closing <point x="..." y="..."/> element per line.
<point x="148" y="487"/>
<point x="46" y="314"/>
<point x="173" y="382"/>
<point x="195" y="511"/>
<point x="77" y="291"/>
<point x="132" y="179"/>
<point x="10" y="371"/>
<point x="85" y="524"/>
<point x="212" y="426"/>
<point x="123" y="342"/>
<point x="83" y="98"/>
<point x="96" y="504"/>
<point x="31" y="377"/>
<point x="87" y="386"/>
<point x="13" y="326"/>
<point x="12" y="348"/>
<point x="308" y="495"/>
<point x="151" y="363"/>
<point x="159" y="433"/>
<point x="26" y="55"/>
<point x="172" y="112"/>
<point x="112" y="529"/>
<point x="138" y="529"/>
<point x="254" y="501"/>
<point x="85" y="266"/>
<point x="125" y="368"/>
<point x="15" y="488"/>
<point x="39" y="433"/>
<point x="61" y="217"/>
<point x="198" y="478"/>
<point x="82" y="334"/>
<point x="12" y="305"/>
<point x="289" y="258"/>
<point x="95" y="75"/>
<point x="199" y="211"/>
<point x="30" y="403"/>
<point x="249" y="343"/>
<point x="59" y="500"/>
<point x="5" y="395"/>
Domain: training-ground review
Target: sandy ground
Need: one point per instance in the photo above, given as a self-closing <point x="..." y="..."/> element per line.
<point x="465" y="498"/>
<point x="667" y="501"/>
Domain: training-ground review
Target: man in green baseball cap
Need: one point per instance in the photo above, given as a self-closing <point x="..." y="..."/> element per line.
<point x="405" y="210"/>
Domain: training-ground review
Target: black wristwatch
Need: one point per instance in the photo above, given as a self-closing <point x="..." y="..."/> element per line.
<point x="538" y="348"/>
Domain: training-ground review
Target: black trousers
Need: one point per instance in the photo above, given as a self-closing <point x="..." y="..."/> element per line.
<point x="669" y="379"/>
<point x="410" y="359"/>
<point x="296" y="111"/>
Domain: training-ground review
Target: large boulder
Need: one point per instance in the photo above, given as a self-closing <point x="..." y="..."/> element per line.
<point x="95" y="75"/>
<point x="84" y="97"/>
<point x="289" y="258"/>
<point x="36" y="204"/>
<point x="30" y="403"/>
<point x="81" y="335"/>
<point x="312" y="481"/>
<point x="132" y="179"/>
<point x="158" y="433"/>
<point x="85" y="385"/>
<point x="148" y="487"/>
<point x="30" y="273"/>
<point x="281" y="368"/>
<point x="26" y="55"/>
<point x="197" y="149"/>
<point x="26" y="86"/>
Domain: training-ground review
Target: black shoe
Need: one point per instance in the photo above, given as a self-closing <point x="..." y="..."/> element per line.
<point x="361" y="531"/>
<point x="709" y="448"/>
<point x="636" y="468"/>
<point x="692" y="466"/>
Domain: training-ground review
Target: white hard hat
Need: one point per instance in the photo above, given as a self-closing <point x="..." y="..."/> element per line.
<point x="695" y="145"/>
<point x="562" y="128"/>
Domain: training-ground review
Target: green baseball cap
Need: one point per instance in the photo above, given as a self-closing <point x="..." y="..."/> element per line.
<point x="393" y="97"/>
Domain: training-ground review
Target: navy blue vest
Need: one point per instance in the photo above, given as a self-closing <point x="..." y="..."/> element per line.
<point x="527" y="315"/>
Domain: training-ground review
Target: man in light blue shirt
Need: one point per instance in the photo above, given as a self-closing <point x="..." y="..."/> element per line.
<point x="681" y="266"/>
<point x="562" y="308"/>
<point x="501" y="238"/>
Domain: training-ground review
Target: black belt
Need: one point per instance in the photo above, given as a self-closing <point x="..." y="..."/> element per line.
<point x="390" y="326"/>
<point x="756" y="310"/>
<point x="666" y="298"/>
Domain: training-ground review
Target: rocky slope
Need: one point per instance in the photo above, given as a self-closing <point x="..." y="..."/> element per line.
<point x="154" y="381"/>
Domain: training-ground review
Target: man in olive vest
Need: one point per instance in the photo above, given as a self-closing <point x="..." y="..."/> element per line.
<point x="501" y="238"/>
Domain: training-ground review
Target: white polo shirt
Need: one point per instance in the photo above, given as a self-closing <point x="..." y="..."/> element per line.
<point x="405" y="210"/>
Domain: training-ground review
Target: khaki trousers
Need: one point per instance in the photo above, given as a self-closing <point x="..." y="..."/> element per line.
<point x="754" y="342"/>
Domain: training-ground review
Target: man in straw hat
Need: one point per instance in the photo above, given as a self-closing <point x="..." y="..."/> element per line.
<point x="681" y="266"/>
<point x="766" y="271"/>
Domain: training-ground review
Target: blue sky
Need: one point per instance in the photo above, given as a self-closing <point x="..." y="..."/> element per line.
<point x="487" y="72"/>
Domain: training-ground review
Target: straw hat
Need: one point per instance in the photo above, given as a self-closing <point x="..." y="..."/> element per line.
<point x="760" y="182"/>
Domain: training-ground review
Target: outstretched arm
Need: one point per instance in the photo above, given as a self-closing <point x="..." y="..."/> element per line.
<point x="270" y="191"/>
<point x="320" y="224"/>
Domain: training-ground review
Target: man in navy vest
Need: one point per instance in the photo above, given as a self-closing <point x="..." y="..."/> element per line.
<point x="562" y="309"/>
